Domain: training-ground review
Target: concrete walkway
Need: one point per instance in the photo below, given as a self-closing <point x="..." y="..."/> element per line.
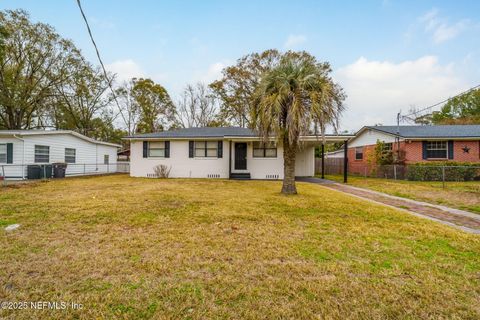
<point x="460" y="219"/>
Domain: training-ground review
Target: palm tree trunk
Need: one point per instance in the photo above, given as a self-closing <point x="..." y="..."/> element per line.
<point x="289" y="153"/>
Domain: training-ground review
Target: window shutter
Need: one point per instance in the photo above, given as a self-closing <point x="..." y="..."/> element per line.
<point x="450" y="149"/>
<point x="145" y="149"/>
<point x="190" y="149"/>
<point x="9" y="152"/>
<point x="220" y="149"/>
<point x="424" y="150"/>
<point x="167" y="149"/>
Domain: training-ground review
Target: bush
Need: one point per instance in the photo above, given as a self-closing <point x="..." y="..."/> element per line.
<point x="162" y="171"/>
<point x="454" y="171"/>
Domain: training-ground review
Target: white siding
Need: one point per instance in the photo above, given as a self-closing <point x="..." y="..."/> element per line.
<point x="184" y="167"/>
<point x="89" y="156"/>
<point x="181" y="166"/>
<point x="370" y="137"/>
<point x="305" y="162"/>
<point x="103" y="150"/>
<point x="14" y="169"/>
<point x="261" y="168"/>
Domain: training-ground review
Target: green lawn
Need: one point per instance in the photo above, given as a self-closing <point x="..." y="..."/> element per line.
<point x="461" y="195"/>
<point x="141" y="248"/>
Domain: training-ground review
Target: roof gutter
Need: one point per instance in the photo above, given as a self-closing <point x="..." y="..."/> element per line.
<point x="251" y="138"/>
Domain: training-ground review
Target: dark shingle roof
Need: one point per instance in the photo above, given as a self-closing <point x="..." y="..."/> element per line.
<point x="204" y="132"/>
<point x="443" y="131"/>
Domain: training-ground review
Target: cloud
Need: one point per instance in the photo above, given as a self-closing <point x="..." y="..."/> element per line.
<point x="213" y="72"/>
<point x="440" y="29"/>
<point x="377" y="90"/>
<point x="125" y="70"/>
<point x="294" y="40"/>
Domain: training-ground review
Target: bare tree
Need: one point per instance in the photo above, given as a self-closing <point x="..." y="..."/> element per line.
<point x="129" y="105"/>
<point x="197" y="107"/>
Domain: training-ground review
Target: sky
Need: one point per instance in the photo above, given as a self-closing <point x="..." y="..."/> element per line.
<point x="388" y="55"/>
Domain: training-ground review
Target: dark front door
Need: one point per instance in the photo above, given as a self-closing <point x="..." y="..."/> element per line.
<point x="240" y="156"/>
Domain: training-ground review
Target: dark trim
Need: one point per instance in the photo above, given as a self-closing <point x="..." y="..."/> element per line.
<point x="424" y="150"/>
<point x="345" y="161"/>
<point x="450" y="150"/>
<point x="241" y="150"/>
<point x="191" y="146"/>
<point x="230" y="159"/>
<point x="145" y="149"/>
<point x="220" y="149"/>
<point x="9" y="152"/>
<point x="167" y="149"/>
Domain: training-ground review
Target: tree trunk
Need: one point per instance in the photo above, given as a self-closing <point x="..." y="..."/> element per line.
<point x="289" y="153"/>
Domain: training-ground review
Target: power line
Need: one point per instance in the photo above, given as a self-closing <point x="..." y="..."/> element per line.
<point x="101" y="62"/>
<point x="439" y="103"/>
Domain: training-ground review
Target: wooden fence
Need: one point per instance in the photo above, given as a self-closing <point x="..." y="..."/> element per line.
<point x="332" y="165"/>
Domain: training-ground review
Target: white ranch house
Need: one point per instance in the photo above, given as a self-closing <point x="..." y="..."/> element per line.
<point x="22" y="148"/>
<point x="224" y="152"/>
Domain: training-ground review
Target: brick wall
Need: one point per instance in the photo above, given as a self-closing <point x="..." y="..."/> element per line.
<point x="473" y="154"/>
<point x="413" y="153"/>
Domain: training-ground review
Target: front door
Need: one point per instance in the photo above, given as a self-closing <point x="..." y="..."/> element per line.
<point x="241" y="156"/>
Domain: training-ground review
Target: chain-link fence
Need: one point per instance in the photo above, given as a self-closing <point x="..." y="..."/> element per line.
<point x="413" y="172"/>
<point x="14" y="173"/>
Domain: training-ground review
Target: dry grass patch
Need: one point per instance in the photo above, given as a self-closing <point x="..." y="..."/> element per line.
<point x="461" y="195"/>
<point x="143" y="248"/>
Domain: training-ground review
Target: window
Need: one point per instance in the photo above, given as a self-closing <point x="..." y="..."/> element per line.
<point x="156" y="149"/>
<point x="42" y="154"/>
<point x="3" y="153"/>
<point x="106" y="159"/>
<point x="70" y="155"/>
<point x="206" y="149"/>
<point x="264" y="150"/>
<point x="437" y="149"/>
<point x="359" y="153"/>
<point x="387" y="146"/>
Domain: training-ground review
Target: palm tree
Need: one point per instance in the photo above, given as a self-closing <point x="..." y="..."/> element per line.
<point x="295" y="98"/>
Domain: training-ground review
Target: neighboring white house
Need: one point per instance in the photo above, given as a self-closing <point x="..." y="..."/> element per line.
<point x="224" y="152"/>
<point x="83" y="155"/>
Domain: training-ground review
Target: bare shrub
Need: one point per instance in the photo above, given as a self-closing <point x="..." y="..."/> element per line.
<point x="162" y="171"/>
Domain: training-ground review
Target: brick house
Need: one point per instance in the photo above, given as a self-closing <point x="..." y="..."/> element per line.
<point x="459" y="143"/>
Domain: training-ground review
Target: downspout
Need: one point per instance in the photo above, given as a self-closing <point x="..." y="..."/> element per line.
<point x="23" y="154"/>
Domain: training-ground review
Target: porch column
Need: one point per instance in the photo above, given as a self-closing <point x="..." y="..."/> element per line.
<point x="345" y="161"/>
<point x="323" y="161"/>
<point x="229" y="159"/>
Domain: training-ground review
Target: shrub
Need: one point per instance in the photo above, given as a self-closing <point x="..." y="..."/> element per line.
<point x="162" y="171"/>
<point x="454" y="171"/>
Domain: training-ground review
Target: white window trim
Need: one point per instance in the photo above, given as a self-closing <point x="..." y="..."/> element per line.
<point x="148" y="149"/>
<point x="74" y="155"/>
<point x="359" y="148"/>
<point x="35" y="153"/>
<point x="436" y="149"/>
<point x="6" y="153"/>
<point x="263" y="147"/>
<point x="205" y="156"/>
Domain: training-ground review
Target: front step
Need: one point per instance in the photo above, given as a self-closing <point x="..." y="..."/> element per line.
<point x="240" y="176"/>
